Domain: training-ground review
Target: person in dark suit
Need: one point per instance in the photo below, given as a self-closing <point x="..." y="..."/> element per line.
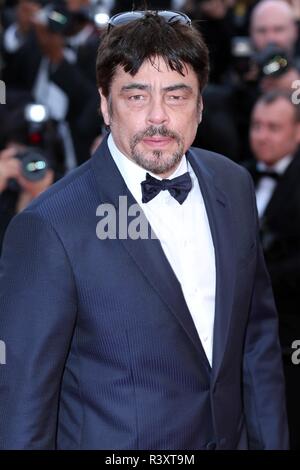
<point x="136" y="309"/>
<point x="275" y="138"/>
<point x="57" y="68"/>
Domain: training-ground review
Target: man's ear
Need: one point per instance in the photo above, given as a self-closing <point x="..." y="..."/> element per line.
<point x="200" y="109"/>
<point x="104" y="106"/>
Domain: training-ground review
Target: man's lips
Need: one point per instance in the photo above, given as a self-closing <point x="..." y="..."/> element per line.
<point x="157" y="141"/>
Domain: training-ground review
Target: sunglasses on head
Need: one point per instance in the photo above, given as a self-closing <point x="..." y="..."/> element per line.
<point x="129" y="16"/>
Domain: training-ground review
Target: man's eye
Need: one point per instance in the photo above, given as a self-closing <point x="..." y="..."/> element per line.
<point x="137" y="98"/>
<point x="175" y="97"/>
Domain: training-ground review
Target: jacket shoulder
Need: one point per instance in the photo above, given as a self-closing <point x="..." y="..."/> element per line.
<point x="217" y="164"/>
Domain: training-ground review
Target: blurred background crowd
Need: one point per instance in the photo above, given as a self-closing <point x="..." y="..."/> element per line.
<point x="50" y="122"/>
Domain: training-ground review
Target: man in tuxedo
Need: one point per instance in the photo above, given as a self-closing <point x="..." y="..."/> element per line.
<point x="142" y="339"/>
<point x="275" y="138"/>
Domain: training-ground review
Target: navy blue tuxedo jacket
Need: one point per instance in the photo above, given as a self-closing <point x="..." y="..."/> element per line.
<point x="101" y="350"/>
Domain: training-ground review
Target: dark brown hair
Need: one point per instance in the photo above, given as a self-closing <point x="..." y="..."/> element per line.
<point x="131" y="44"/>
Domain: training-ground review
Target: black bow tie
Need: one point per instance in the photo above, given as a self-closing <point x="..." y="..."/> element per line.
<point x="267" y="173"/>
<point x="178" y="187"/>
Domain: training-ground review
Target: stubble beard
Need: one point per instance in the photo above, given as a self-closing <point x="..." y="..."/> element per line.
<point x="159" y="162"/>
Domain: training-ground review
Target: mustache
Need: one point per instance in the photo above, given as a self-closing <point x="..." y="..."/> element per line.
<point x="161" y="131"/>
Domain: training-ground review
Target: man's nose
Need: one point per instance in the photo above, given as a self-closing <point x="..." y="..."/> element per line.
<point x="261" y="134"/>
<point x="157" y="113"/>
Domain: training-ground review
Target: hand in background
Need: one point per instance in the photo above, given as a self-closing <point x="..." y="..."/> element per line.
<point x="9" y="167"/>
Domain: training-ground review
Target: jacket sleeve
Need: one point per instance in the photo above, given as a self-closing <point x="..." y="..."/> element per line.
<point x="264" y="387"/>
<point x="37" y="317"/>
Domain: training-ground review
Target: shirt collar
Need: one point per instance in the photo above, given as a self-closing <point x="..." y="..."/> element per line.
<point x="133" y="174"/>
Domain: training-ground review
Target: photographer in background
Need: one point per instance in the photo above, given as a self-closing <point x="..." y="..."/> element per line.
<point x="273" y="22"/>
<point x="268" y="54"/>
<point x="30" y="161"/>
<point x="275" y="139"/>
<point x="52" y="62"/>
<point x="284" y="79"/>
<point x="227" y="110"/>
<point x="16" y="191"/>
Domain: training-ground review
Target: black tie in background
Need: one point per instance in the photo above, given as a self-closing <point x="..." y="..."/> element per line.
<point x="267" y="173"/>
<point x="178" y="187"/>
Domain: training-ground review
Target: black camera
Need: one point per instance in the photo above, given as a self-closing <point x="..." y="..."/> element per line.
<point x="272" y="61"/>
<point x="59" y="19"/>
<point x="55" y="17"/>
<point x="34" y="163"/>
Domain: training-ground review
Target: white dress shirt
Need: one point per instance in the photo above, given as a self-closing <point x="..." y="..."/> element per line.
<point x="266" y="185"/>
<point x="185" y="237"/>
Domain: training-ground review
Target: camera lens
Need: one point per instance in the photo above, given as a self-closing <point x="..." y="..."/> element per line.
<point x="34" y="164"/>
<point x="272" y="61"/>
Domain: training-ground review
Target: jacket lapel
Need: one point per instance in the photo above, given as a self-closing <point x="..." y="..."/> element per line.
<point x="146" y="254"/>
<point x="220" y="221"/>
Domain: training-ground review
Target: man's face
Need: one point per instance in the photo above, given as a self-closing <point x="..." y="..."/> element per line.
<point x="153" y="115"/>
<point x="274" y="132"/>
<point x="275" y="25"/>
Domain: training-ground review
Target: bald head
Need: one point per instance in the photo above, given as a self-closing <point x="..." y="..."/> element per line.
<point x="272" y="21"/>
